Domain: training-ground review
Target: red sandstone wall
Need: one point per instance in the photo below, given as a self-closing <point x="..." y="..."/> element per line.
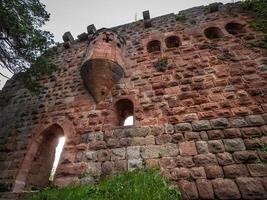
<point x="202" y="121"/>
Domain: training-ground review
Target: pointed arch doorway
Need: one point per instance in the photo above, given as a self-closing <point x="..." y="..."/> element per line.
<point x="37" y="167"/>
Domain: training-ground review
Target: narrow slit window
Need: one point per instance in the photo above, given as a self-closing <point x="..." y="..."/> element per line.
<point x="58" y="152"/>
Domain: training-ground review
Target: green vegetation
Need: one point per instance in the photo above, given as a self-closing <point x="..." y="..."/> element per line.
<point x="162" y="64"/>
<point x="135" y="185"/>
<point x="259" y="23"/>
<point x="23" y="44"/>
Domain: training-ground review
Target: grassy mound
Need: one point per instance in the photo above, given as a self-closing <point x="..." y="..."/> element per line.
<point x="135" y="185"/>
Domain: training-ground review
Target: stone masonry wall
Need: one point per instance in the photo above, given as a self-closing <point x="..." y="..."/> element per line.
<point x="202" y="122"/>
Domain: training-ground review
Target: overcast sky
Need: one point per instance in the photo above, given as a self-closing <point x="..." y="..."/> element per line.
<point x="76" y="15"/>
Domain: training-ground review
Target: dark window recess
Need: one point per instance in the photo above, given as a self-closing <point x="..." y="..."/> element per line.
<point x="153" y="46"/>
<point x="172" y="41"/>
<point x="234" y="28"/>
<point x="213" y="33"/>
<point x="125" y="111"/>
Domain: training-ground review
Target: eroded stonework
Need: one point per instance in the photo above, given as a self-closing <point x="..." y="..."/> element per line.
<point x="202" y="120"/>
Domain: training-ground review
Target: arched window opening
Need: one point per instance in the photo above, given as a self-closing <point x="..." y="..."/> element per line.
<point x="46" y="158"/>
<point x="153" y="46"/>
<point x="213" y="33"/>
<point x="234" y="28"/>
<point x="172" y="41"/>
<point x="125" y="112"/>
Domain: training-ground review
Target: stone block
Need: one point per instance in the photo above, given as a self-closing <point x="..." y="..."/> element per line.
<point x="225" y="189"/>
<point x="257" y="169"/>
<point x="238" y="122"/>
<point x="192" y="136"/>
<point x="225" y="159"/>
<point x="251" y="188"/>
<point x="187" y="148"/>
<point x="162" y="139"/>
<point x="255" y="120"/>
<point x="245" y="156"/>
<point x="214" y="171"/>
<point x="91" y="29"/>
<point x="107" y="168"/>
<point x="182" y="161"/>
<point x="232" y="133"/>
<point x="177" y="137"/>
<point x="120" y="165"/>
<point x="205" y="159"/>
<point x="150" y="151"/>
<point x="205" y="189"/>
<point x="167" y="163"/>
<point x="135" y="164"/>
<point x="169" y="129"/>
<point x="215" y="146"/>
<point x="232" y="145"/>
<point x="67" y="37"/>
<point x="251" y="132"/>
<point x="198" y="172"/>
<point x="234" y="171"/>
<point x="169" y="150"/>
<point x="118" y="154"/>
<point x="219" y="123"/>
<point x="181" y="127"/>
<point x="103" y="155"/>
<point x="202" y="147"/>
<point x="157" y="130"/>
<point x="133" y="152"/>
<point x="180" y="173"/>
<point x="201" y="125"/>
<point x="215" y="134"/>
<point x="188" y="189"/>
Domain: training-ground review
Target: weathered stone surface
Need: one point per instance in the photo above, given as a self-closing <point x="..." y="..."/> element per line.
<point x="169" y="150"/>
<point x="234" y="171"/>
<point x="238" y="122"/>
<point x="255" y="120"/>
<point x="251" y="188"/>
<point x="183" y="127"/>
<point x="232" y="133"/>
<point x="169" y="129"/>
<point x="215" y="134"/>
<point x="188" y="189"/>
<point x="133" y="153"/>
<point x="245" y="156"/>
<point x="232" y="145"/>
<point x="118" y="154"/>
<point x="201" y="125"/>
<point x="162" y="139"/>
<point x="198" y="172"/>
<point x="184" y="161"/>
<point x="205" y="159"/>
<point x="225" y="189"/>
<point x="202" y="147"/>
<point x="187" y="148"/>
<point x="214" y="171"/>
<point x="135" y="164"/>
<point x="251" y="132"/>
<point x="215" y="146"/>
<point x="91" y="155"/>
<point x="259" y="169"/>
<point x="205" y="189"/>
<point x="219" y="123"/>
<point x="192" y="136"/>
<point x="150" y="151"/>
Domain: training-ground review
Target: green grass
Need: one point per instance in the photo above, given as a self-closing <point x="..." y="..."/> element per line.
<point x="135" y="185"/>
